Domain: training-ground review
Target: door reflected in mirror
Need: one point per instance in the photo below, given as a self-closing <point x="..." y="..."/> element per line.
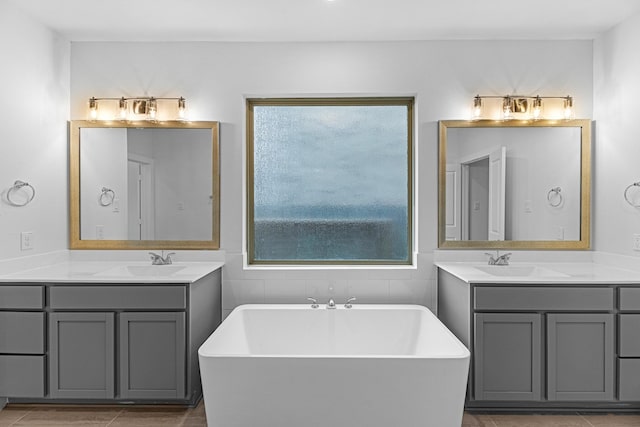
<point x="153" y="185"/>
<point x="514" y="184"/>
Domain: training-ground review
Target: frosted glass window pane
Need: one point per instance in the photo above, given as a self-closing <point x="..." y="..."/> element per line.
<point x="331" y="183"/>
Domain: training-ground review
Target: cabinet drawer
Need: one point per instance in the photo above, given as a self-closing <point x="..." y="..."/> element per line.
<point x="21" y="297"/>
<point x="543" y="298"/>
<point x="117" y="297"/>
<point x="22" y="376"/>
<point x="630" y="299"/>
<point x="629" y="379"/>
<point x="629" y="335"/>
<point x="21" y="333"/>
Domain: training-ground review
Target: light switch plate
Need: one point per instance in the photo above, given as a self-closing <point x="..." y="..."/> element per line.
<point x="636" y="242"/>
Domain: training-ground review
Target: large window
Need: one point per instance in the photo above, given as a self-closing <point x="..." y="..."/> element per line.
<point x="329" y="181"/>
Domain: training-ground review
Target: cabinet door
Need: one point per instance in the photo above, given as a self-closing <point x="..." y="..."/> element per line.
<point x="507" y="353"/>
<point x="152" y="355"/>
<point x="81" y="359"/>
<point x="580" y="356"/>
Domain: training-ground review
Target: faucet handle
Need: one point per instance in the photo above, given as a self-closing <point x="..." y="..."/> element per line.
<point x="504" y="259"/>
<point x="167" y="259"/>
<point x="349" y="301"/>
<point x="492" y="260"/>
<point x="314" y="302"/>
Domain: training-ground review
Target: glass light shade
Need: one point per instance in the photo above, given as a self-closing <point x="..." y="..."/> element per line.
<point x="507" y="112"/>
<point x="568" y="108"/>
<point x="536" y="112"/>
<point x="182" y="108"/>
<point x="152" y="108"/>
<point x="122" y="108"/>
<point x="93" y="108"/>
<point x="477" y="108"/>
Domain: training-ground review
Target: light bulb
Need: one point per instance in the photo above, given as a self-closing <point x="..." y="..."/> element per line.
<point x="537" y="108"/>
<point x="477" y="107"/>
<point x="93" y="108"/>
<point x="507" y="112"/>
<point x="153" y="108"/>
<point x="122" y="105"/>
<point x="182" y="108"/>
<point x="568" y="108"/>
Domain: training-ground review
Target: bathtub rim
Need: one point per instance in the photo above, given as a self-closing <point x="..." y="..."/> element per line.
<point x="464" y="352"/>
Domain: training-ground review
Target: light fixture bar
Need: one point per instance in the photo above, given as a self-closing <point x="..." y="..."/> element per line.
<point x="139" y="106"/>
<point x="514" y="106"/>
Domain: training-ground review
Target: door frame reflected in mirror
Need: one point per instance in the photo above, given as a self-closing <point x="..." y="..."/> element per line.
<point x="75" y="241"/>
<point x="585" y="186"/>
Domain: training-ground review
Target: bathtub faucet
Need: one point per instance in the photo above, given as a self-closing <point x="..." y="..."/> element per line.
<point x="331" y="305"/>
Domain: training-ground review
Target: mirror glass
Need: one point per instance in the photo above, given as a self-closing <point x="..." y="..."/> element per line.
<point x="152" y="185"/>
<point x="514" y="184"/>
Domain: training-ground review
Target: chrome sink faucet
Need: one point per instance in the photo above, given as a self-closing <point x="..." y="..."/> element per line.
<point x="331" y="305"/>
<point x="499" y="259"/>
<point x="161" y="259"/>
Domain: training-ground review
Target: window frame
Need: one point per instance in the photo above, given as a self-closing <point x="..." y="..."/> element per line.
<point x="408" y="102"/>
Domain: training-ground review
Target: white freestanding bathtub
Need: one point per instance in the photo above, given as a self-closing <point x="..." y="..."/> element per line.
<point x="367" y="366"/>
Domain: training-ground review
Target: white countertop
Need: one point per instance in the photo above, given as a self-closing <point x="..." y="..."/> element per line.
<point x="548" y="273"/>
<point x="113" y="272"/>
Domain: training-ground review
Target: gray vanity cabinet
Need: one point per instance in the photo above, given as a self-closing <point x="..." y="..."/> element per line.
<point x="22" y="341"/>
<point x="106" y="342"/>
<point x="581" y="356"/>
<point x="579" y="352"/>
<point x="152" y="355"/>
<point x="81" y="355"/>
<point x="150" y="362"/>
<point x="507" y="351"/>
<point x="545" y="345"/>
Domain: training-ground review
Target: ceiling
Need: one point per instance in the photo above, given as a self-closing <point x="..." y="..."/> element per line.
<point x="323" y="20"/>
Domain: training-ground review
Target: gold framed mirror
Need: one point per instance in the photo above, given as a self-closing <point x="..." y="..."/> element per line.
<point x="514" y="184"/>
<point x="144" y="185"/>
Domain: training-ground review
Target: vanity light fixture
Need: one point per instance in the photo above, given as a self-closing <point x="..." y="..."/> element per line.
<point x="522" y="107"/>
<point x="140" y="108"/>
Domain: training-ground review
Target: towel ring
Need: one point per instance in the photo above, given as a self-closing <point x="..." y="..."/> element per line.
<point x="554" y="194"/>
<point x="106" y="197"/>
<point x="626" y="193"/>
<point x="17" y="186"/>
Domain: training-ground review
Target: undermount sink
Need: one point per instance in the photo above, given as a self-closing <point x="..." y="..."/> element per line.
<point x="519" y="271"/>
<point x="141" y="270"/>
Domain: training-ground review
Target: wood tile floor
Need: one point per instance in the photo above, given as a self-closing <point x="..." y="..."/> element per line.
<point x="159" y="416"/>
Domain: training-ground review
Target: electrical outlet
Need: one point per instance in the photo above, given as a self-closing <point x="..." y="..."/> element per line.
<point x="99" y="232"/>
<point x="528" y="206"/>
<point x="26" y="240"/>
<point x="636" y="242"/>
